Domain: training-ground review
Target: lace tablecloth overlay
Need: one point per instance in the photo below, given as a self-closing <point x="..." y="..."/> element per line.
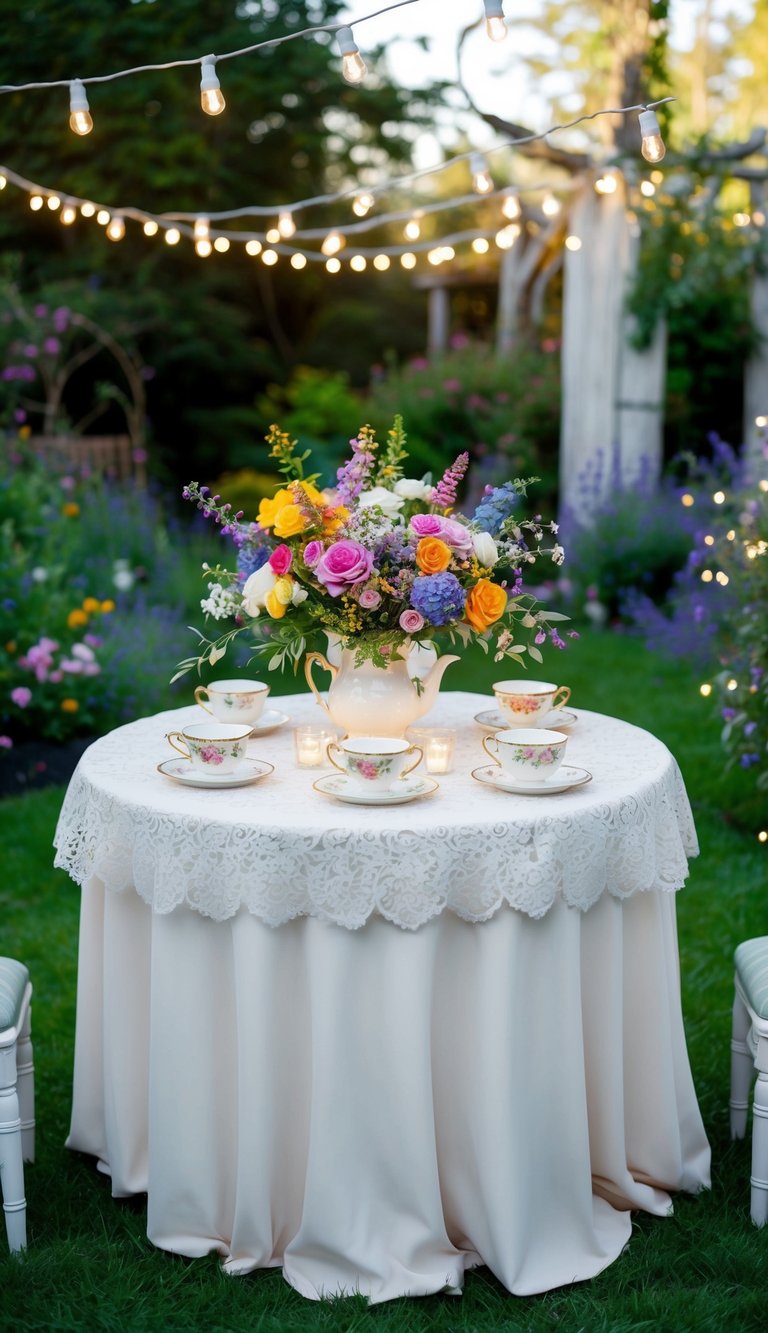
<point x="279" y="849"/>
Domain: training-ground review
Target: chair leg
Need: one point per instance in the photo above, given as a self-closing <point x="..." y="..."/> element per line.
<point x="759" y="1182"/>
<point x="11" y="1165"/>
<point x="25" y="1083"/>
<point x="742" y="1069"/>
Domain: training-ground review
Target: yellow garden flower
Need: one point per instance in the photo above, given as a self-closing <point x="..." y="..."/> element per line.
<point x="290" y="521"/>
<point x="69" y="706"/>
<point x="76" y="619"/>
<point x="70" y="509"/>
<point x="486" y="603"/>
<point x="11" y="646"/>
<point x="91" y="605"/>
<point x="107" y="606"/>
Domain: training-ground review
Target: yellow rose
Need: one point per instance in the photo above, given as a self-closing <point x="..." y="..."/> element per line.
<point x="275" y="608"/>
<point x="486" y="603"/>
<point x="432" y="555"/>
<point x="290" y="521"/>
<point x="269" y="509"/>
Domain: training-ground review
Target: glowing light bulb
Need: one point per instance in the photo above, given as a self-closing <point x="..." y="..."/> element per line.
<point x="506" y="238"/>
<point x="53" y="201"/>
<point x="511" y="206"/>
<point x="435" y="256"/>
<point x="707" y="576"/>
<point x="762" y="835"/>
<point x="412" y="230"/>
<point x="608" y="183"/>
<point x="719" y="497"/>
<point x="116" y="228"/>
<point x="151" y="228"/>
<point x="103" y="216"/>
<point x="203" y="248"/>
<point x="87" y="209"/>
<point x="269" y="257"/>
<point x="353" y="67"/>
<point x="286" y="225"/>
<point x="761" y="422"/>
<point x="722" y="579"/>
<point x="298" y="261"/>
<point x="253" y="247"/>
<point x="332" y="265"/>
<point x="732" y="684"/>
<point x="35" y="202"/>
<point x="172" y="236"/>
<point x="495" y="23"/>
<point x="480" y="245"/>
<point x="573" y="243"/>
<point x="274" y="236"/>
<point x="550" y="206"/>
<point x="408" y="260"/>
<point x="652" y="147"/>
<point x="80" y="120"/>
<point x="359" y="263"/>
<point x="382" y="263"/>
<point x="482" y="180"/>
<point x="363" y="203"/>
<point x="68" y="215"/>
<point x="333" y="242"/>
<point x="647" y="188"/>
<point x="221" y="245"/>
<point x="705" y="690"/>
<point x="3" y="182"/>
<point x="687" y="500"/>
<point x="211" y="96"/>
<point x="201" y="229"/>
<point x="709" y="540"/>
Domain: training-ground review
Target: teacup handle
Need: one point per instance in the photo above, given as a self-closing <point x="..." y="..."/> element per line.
<point x="170" y="738"/>
<point x="491" y="754"/>
<point x="565" y="690"/>
<point x="200" y="690"/>
<point x="413" y="750"/>
<point x="333" y="746"/>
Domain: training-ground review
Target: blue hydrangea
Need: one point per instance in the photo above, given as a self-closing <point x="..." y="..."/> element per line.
<point x="438" y="597"/>
<point x="496" y="506"/>
<point x="251" y="557"/>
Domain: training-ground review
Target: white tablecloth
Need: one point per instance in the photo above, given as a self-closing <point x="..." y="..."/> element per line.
<point x="377" y="1110"/>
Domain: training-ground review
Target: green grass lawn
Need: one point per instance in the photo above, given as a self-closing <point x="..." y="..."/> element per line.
<point x="89" y="1264"/>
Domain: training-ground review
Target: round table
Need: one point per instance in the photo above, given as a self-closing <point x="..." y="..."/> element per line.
<point x="378" y="1046"/>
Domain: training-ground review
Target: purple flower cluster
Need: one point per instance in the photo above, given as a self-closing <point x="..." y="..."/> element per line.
<point x="438" y="597"/>
<point x="354" y="473"/>
<point x="444" y="493"/>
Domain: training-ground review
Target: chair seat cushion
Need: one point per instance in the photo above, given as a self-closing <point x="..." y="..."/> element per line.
<point x="13" y="982"/>
<point x="751" y="959"/>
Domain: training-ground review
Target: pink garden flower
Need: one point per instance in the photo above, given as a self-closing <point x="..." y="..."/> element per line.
<point x="21" y="696"/>
<point x="210" y="755"/>
<point x="369" y="599"/>
<point x="6" y="743"/>
<point x="312" y="553"/>
<point x="280" y="560"/>
<point x="411" y="621"/>
<point x="427" y="525"/>
<point x="345" y="564"/>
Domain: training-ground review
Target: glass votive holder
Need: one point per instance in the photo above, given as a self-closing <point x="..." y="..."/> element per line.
<point x="438" y="744"/>
<point x="311" y="743"/>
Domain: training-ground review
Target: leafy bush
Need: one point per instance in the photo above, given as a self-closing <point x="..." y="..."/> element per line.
<point x="504" y="411"/>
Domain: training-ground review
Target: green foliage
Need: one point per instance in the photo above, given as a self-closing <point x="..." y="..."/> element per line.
<point x="504" y="410"/>
<point x="311" y="406"/>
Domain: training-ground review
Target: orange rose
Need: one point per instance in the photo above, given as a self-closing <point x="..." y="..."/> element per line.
<point x="486" y="603"/>
<point x="432" y="555"/>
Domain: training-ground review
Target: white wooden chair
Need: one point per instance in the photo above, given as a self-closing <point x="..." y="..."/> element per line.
<point x="749" y="1052"/>
<point x="17" y="1096"/>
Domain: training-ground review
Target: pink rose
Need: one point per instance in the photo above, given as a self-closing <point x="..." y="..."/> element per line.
<point x="369" y="599"/>
<point x="411" y="622"/>
<point x="21" y="696"/>
<point x="426" y="525"/>
<point x="312" y="553"/>
<point x="343" y="565"/>
<point x="280" y="560"/>
<point x="456" y="536"/>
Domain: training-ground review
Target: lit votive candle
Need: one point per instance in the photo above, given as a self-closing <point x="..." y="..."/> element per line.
<point x="311" y="744"/>
<point x="438" y="745"/>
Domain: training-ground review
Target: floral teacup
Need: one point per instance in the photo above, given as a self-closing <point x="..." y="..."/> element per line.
<point x="525" y="703"/>
<point x="212" y="747"/>
<point x="233" y="700"/>
<point x="374" y="763"/>
<point x="529" y="756"/>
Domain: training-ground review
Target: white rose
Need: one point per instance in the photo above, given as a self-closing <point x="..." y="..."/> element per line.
<point x="486" y="549"/>
<point x="257" y="589"/>
<point x="298" y="595"/>
<point x="411" y="489"/>
<point x="387" y="501"/>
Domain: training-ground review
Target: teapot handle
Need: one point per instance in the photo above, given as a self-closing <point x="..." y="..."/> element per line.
<point x="309" y="662"/>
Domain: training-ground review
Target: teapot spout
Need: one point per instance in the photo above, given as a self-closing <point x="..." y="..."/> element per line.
<point x="431" y="682"/>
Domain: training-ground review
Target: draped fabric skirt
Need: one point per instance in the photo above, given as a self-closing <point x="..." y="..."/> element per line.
<point x="377" y="1110"/>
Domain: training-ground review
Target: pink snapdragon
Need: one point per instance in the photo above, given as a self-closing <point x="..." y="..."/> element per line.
<point x="345" y="564"/>
<point x="280" y="560"/>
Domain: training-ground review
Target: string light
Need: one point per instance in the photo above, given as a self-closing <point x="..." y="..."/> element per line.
<point x="68" y="215"/>
<point x="221" y="245"/>
<point x="286" y="225"/>
<point x="652" y="146"/>
<point x="201" y="230"/>
<point x="719" y="497"/>
<point x="550" y="206"/>
<point x="482" y="180"/>
<point x="382" y="263"/>
<point x="87" y="209"/>
<point x="506" y="238"/>
<point x="408" y="260"/>
<point x="480" y="245"/>
<point x="332" y="265"/>
<point x="363" y="203"/>
<point x="412" y="229"/>
<point x="211" y="97"/>
<point x="103" y="216"/>
<point x="274" y="236"/>
<point x="495" y="23"/>
<point x="358" y="263"/>
<point x="35" y="202"/>
<point x="203" y="248"/>
<point x="762" y="835"/>
<point x="511" y="207"/>
<point x="269" y="257"/>
<point x="151" y="227"/>
<point x="608" y="183"/>
<point x="573" y="243"/>
<point x="353" y="67"/>
<point x="298" y="261"/>
<point x="333" y="242"/>
<point x="253" y="247"/>
<point x="53" y="201"/>
<point x="116" y="228"/>
<point x="732" y="684"/>
<point x="80" y="119"/>
<point x="172" y="236"/>
<point x="3" y="182"/>
<point x="705" y="689"/>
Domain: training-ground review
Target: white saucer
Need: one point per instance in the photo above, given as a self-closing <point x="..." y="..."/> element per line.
<point x="270" y="720"/>
<point x="407" y="789"/>
<point x="559" y="717"/>
<point x="180" y="770"/>
<point x="564" y="779"/>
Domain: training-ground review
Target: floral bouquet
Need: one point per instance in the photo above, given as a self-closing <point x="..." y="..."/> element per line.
<point x="381" y="560"/>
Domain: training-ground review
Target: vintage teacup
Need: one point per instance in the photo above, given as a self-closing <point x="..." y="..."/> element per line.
<point x="212" y="747"/>
<point x="233" y="700"/>
<point x="528" y="755"/>
<point x="374" y="762"/>
<point x="525" y="703"/>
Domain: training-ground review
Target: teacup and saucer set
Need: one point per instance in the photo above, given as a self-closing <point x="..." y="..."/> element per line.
<point x="528" y="703"/>
<point x="240" y="701"/>
<point x="374" y="770"/>
<point x="528" y="761"/>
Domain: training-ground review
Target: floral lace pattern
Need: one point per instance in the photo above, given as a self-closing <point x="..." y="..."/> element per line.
<point x="280" y="850"/>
